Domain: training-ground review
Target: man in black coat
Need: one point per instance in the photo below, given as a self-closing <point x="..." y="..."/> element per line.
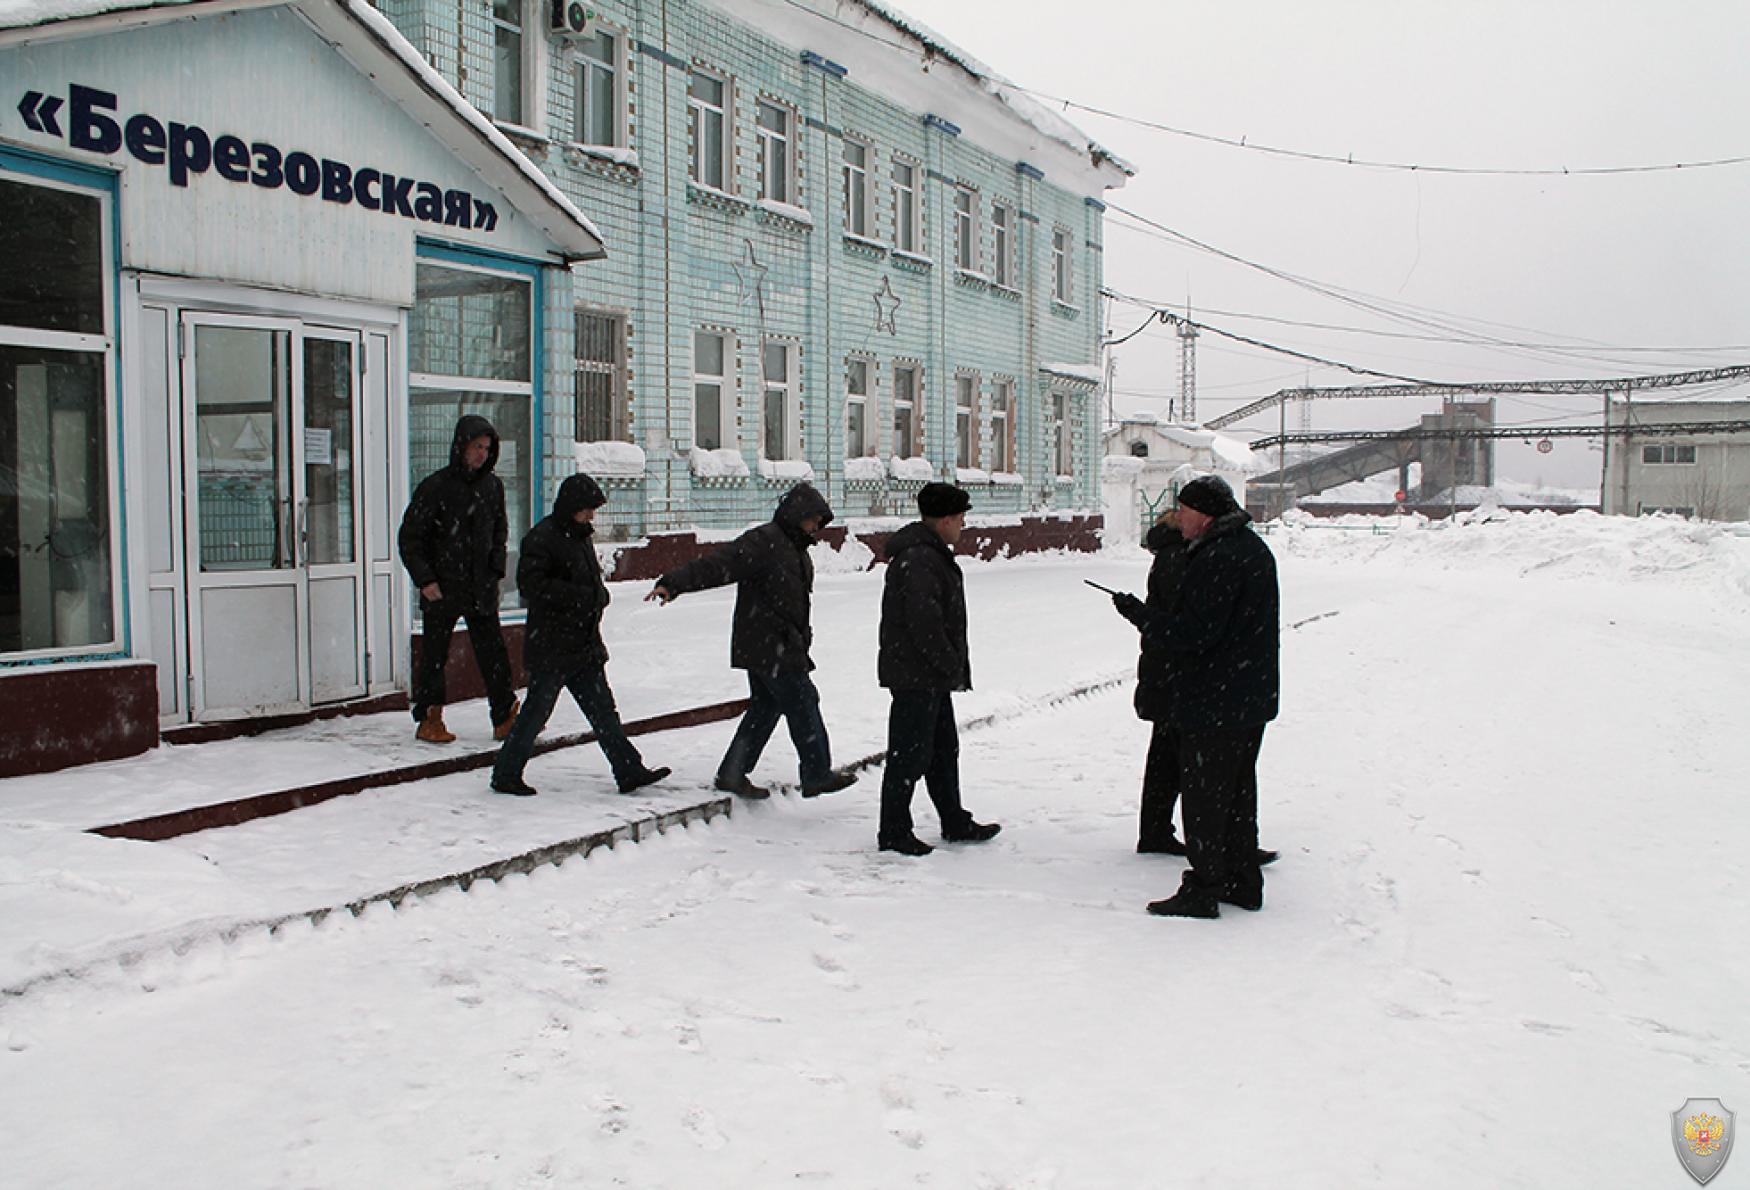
<point x="774" y="584"/>
<point x="560" y="578"/>
<point x="1155" y="673"/>
<point x="452" y="542"/>
<point x="1154" y="689"/>
<point x="923" y="660"/>
<point x="1221" y="641"/>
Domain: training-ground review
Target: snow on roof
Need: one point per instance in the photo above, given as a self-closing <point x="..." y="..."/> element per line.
<point x="997" y="114"/>
<point x="22" y="14"/>
<point x="1023" y="104"/>
<point x="1086" y="373"/>
<point x="1227" y="451"/>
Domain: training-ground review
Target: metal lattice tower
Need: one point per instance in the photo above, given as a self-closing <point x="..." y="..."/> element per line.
<point x="1187" y="412"/>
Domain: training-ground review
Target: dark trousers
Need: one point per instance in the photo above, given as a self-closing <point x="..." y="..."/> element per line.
<point x="1219" y="785"/>
<point x="439" y="621"/>
<point x="589" y="687"/>
<point x="1160" y="789"/>
<point x="921" y="742"/>
<point x="793" y="698"/>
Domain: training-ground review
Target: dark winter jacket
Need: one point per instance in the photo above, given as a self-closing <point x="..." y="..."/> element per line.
<point x="1221" y="638"/>
<point x="923" y="615"/>
<point x="1154" y="669"/>
<point x="453" y="533"/>
<point x="774" y="581"/>
<point x="560" y="579"/>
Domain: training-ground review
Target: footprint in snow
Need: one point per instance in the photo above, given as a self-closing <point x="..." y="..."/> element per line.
<point x="702" y="1127"/>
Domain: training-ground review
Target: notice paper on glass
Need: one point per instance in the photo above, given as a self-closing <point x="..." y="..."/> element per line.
<point x="318" y="446"/>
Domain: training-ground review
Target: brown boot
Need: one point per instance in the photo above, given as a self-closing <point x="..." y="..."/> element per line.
<point x="432" y="729"/>
<point x="502" y="729"/>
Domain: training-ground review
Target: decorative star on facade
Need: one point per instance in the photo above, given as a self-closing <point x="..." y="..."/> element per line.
<point x="750" y="278"/>
<point x="886" y="307"/>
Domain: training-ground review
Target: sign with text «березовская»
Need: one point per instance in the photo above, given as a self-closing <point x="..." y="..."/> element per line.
<point x="1702" y="1131"/>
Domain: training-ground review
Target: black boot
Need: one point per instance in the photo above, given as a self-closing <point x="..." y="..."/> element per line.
<point x="1192" y="900"/>
<point x="513" y="786"/>
<point x="831" y="783"/>
<point x="905" y="845"/>
<point x="641" y="778"/>
<point x="1266" y="856"/>
<point x="744" y="788"/>
<point x="1171" y="845"/>
<point x="1245" y="891"/>
<point x="972" y="832"/>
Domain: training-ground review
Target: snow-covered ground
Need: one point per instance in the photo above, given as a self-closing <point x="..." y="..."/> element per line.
<point x="1503" y="943"/>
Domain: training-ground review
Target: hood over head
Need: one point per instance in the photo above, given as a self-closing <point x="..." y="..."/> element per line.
<point x="578" y="492"/>
<point x="800" y="503"/>
<point x="470" y="427"/>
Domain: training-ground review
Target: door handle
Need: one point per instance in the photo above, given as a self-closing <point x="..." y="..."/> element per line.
<point x="303" y="534"/>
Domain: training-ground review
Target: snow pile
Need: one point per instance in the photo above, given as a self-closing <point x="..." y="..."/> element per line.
<point x="1006" y="479"/>
<point x="864" y="470"/>
<point x="914" y="470"/>
<point x="971" y="475"/>
<point x="718" y="464"/>
<point x="1581" y="545"/>
<point x="1123" y="468"/>
<point x="800" y="470"/>
<point x="850" y="558"/>
<point x="609" y="458"/>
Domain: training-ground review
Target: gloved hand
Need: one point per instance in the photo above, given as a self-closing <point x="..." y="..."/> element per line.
<point x="1131" y="608"/>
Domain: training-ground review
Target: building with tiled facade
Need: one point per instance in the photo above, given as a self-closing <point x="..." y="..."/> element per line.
<point x="261" y="254"/>
<point x="836" y="250"/>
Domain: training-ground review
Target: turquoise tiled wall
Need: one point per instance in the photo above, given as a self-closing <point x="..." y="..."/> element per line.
<point x="680" y="258"/>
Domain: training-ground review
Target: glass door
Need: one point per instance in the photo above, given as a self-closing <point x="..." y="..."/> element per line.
<point x="276" y="591"/>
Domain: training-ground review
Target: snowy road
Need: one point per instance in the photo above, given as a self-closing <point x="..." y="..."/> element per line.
<point x="1503" y="943"/>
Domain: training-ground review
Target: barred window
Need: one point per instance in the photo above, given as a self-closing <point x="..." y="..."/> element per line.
<point x="599" y="383"/>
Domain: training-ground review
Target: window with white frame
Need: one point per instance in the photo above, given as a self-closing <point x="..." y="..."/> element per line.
<point x="966" y="229"/>
<point x="599" y="377"/>
<point x="965" y="420"/>
<point x="470" y="350"/>
<point x="713" y="391"/>
<point x="1002" y="405"/>
<point x="776" y="125"/>
<point x="1061" y="288"/>
<point x="708" y="105"/>
<point x="857" y="440"/>
<point x="1002" y="232"/>
<point x="906" y="211"/>
<point x="1658" y="453"/>
<point x="905" y="409"/>
<point x="600" y="90"/>
<point x="509" y="92"/>
<point x="778" y="407"/>
<point x="858" y="157"/>
<point x="58" y="560"/>
<point x="1063" y="456"/>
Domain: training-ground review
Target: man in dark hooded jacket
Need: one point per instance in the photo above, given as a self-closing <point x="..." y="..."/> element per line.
<point x="1221" y="640"/>
<point x="923" y="660"/>
<point x="774" y="582"/>
<point x="452" y="542"/>
<point x="560" y="579"/>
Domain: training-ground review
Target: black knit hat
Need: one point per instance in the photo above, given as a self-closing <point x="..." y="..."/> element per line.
<point x="1209" y="495"/>
<point x="942" y="499"/>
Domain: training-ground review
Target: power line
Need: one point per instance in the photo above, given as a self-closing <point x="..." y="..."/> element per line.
<point x="1402" y="166"/>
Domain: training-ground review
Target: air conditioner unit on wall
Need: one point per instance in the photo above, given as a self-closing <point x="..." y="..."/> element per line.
<point x="571" y="18"/>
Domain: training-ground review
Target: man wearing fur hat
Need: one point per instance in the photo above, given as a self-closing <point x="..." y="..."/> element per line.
<point x="923" y="660"/>
<point x="1221" y="637"/>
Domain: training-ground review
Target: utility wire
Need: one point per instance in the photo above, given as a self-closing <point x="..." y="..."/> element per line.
<point x="1403" y="166"/>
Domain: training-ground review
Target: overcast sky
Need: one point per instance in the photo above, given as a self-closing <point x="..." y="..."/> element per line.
<point x="1601" y="264"/>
